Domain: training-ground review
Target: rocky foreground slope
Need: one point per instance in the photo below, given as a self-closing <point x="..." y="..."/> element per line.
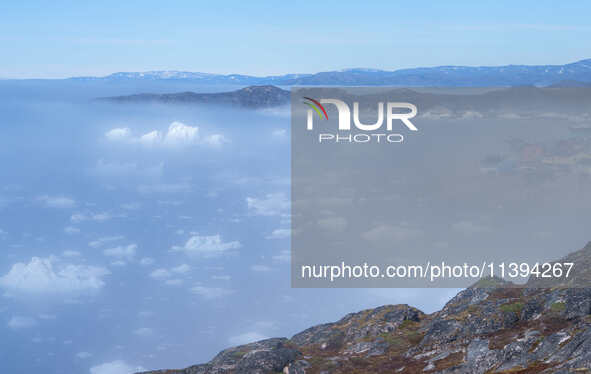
<point x="492" y="327"/>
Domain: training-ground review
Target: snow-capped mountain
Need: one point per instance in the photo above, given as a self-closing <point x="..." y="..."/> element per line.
<point x="509" y="75"/>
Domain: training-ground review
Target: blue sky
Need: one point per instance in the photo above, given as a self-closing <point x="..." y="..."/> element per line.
<point x="67" y="38"/>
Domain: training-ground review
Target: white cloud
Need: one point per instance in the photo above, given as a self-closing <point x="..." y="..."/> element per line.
<point x="164" y="188"/>
<point x="19" y="322"/>
<point x="279" y="133"/>
<point x="146" y="261"/>
<point x="160" y="274"/>
<point x="144" y="331"/>
<point x="151" y="138"/>
<point x="215" y="140"/>
<point x="126" y="252"/>
<point x="181" y="269"/>
<point x="207" y="246"/>
<point x="60" y="202"/>
<point x="131" y="206"/>
<point x="221" y="277"/>
<point x="107" y="239"/>
<point x="115" y="367"/>
<point x="211" y="292"/>
<point x="260" y="268"/>
<point x="270" y="205"/>
<point x="83" y="355"/>
<point x="246" y="338"/>
<point x="283" y="257"/>
<point x="71" y="230"/>
<point x="69" y="253"/>
<point x="164" y="274"/>
<point x="47" y="275"/>
<point x="179" y="133"/>
<point x="123" y="169"/>
<point x="173" y="282"/>
<point x="279" y="234"/>
<point x="123" y="133"/>
<point x="98" y="217"/>
<point x="77" y="217"/>
<point x="101" y="217"/>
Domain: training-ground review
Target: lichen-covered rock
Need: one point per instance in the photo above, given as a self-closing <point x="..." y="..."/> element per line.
<point x="296" y="367"/>
<point x="494" y="327"/>
<point x="266" y="356"/>
<point x="500" y="330"/>
<point x="355" y="326"/>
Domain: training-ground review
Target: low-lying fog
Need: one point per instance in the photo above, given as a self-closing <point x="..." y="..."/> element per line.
<point x="154" y="236"/>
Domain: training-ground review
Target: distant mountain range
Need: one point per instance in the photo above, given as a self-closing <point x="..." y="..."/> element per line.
<point x="566" y="96"/>
<point x="445" y="76"/>
<point x="252" y="97"/>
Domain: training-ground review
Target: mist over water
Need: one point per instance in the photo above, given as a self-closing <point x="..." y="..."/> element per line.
<point x="146" y="235"/>
<point x="156" y="235"/>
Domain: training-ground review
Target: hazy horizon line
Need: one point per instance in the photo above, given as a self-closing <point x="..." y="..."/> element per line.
<point x="284" y="74"/>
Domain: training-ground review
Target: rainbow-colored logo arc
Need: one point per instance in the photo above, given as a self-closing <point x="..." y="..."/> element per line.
<point x="318" y="108"/>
